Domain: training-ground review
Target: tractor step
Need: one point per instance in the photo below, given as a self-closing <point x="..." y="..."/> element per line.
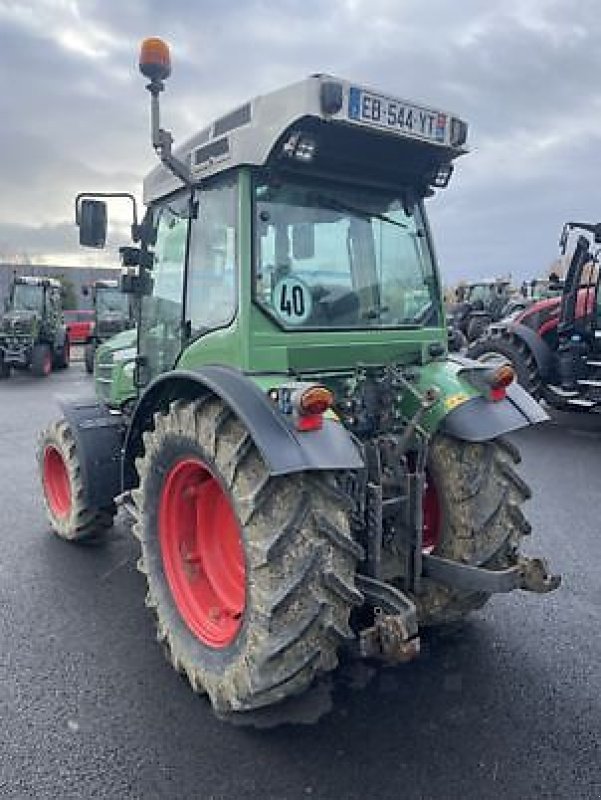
<point x="589" y="382"/>
<point x="564" y="393"/>
<point x="590" y="362"/>
<point x="582" y="402"/>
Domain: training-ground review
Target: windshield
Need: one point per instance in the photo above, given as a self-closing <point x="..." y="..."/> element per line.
<point x="339" y="258"/>
<point x="111" y="301"/>
<point x="28" y="297"/>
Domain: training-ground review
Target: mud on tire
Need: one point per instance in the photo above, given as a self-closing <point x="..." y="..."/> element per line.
<point x="62" y="487"/>
<point x="482" y="523"/>
<point x="299" y="555"/>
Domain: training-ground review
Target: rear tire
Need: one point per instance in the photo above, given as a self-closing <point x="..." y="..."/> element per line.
<point x="4" y="369"/>
<point x="41" y="360"/>
<point x="63" y="490"/>
<point x="519" y="356"/>
<point x="299" y="562"/>
<point x="89" y="353"/>
<point x="481" y="521"/>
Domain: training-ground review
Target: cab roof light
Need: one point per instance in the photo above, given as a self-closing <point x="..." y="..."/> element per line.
<point x="458" y="132"/>
<point x="331" y="97"/>
<point x="442" y="176"/>
<point x="300" y="147"/>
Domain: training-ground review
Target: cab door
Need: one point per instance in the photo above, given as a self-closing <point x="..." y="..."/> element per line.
<point x="162" y="330"/>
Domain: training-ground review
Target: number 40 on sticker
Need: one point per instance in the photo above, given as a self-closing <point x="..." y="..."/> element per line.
<point x="292" y="300"/>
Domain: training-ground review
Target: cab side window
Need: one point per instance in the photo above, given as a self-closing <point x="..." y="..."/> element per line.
<point x="211" y="294"/>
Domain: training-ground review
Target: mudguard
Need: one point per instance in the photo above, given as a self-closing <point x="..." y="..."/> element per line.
<point x="283" y="448"/>
<point x="478" y="419"/>
<point x="541" y="352"/>
<point x="98" y="436"/>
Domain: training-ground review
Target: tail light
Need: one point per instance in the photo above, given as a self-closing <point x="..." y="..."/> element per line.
<point x="309" y="405"/>
<point x="499" y="379"/>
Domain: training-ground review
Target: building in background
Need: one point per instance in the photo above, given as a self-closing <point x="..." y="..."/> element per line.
<point x="78" y="276"/>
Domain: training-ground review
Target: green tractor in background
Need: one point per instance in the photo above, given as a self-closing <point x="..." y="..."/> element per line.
<point x="112" y="315"/>
<point x="32" y="332"/>
<point x="307" y="469"/>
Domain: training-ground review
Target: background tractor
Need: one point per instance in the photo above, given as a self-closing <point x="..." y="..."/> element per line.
<point x="32" y="331"/>
<point x="307" y="470"/>
<point x="112" y="314"/>
<point x="555" y="344"/>
<point x="477" y="305"/>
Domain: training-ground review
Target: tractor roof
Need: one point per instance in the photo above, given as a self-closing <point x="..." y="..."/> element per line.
<point x="36" y="280"/>
<point x="332" y="114"/>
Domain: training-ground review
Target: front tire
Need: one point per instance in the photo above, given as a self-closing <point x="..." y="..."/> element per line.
<point x="41" y="360"/>
<point x="4" y="368"/>
<point x="253" y="599"/>
<point x="63" y="490"/>
<point x="477" y="518"/>
<point x="89" y="353"/>
<point x="63" y="358"/>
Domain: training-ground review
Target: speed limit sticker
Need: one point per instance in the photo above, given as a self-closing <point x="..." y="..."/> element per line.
<point x="292" y="301"/>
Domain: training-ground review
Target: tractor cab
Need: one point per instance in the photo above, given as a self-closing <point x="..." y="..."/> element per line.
<point x="112" y="315"/>
<point x="293" y="234"/>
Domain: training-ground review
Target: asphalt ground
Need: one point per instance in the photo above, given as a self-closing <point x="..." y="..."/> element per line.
<point x="508" y="708"/>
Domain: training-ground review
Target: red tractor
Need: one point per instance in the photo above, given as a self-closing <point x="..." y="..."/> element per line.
<point x="555" y="344"/>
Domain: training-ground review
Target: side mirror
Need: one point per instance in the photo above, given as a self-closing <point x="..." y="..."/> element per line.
<point x="303" y="241"/>
<point x="92" y="223"/>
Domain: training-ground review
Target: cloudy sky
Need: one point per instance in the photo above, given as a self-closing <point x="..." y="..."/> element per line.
<point x="526" y="74"/>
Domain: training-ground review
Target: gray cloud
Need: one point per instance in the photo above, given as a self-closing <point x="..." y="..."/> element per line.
<point x="525" y="75"/>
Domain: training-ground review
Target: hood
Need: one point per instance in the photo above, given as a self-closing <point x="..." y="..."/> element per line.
<point x="122" y="341"/>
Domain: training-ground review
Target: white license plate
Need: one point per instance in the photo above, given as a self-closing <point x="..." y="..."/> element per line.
<point x="395" y="115"/>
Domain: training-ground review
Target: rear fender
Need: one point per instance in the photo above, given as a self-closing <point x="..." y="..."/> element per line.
<point x="284" y="449"/>
<point x="98" y="435"/>
<point x="462" y="410"/>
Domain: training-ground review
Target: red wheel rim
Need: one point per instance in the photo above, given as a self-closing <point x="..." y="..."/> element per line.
<point x="47" y="364"/>
<point x="431" y="517"/>
<point x="57" y="486"/>
<point x="203" y="556"/>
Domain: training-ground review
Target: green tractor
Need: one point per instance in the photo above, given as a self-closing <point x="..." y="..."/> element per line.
<point x="112" y="314"/>
<point x="32" y="332"/>
<point x="308" y="471"/>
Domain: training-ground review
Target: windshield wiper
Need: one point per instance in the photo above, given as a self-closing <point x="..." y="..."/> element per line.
<point x="336" y="205"/>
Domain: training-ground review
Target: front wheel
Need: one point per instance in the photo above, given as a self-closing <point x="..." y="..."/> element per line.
<point x="63" y="358"/>
<point x="472" y="514"/>
<point x="70" y="516"/>
<point x="41" y="360"/>
<point x="89" y="353"/>
<point x="4" y="368"/>
<point x="251" y="577"/>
